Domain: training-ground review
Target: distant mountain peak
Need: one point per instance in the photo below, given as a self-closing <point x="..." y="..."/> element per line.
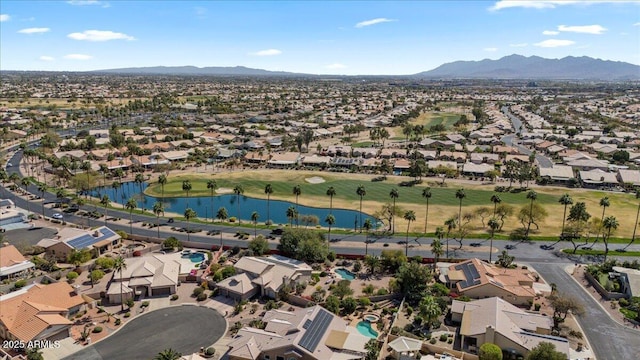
<point x="534" y="67"/>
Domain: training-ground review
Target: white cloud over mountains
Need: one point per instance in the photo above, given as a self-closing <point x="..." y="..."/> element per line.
<point x="553" y="43"/>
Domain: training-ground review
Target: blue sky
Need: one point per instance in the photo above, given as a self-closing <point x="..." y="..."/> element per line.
<point x="319" y="37"/>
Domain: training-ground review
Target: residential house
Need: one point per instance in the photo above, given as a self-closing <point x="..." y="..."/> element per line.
<point x="152" y="275"/>
<point x="264" y="276"/>
<point x="630" y="280"/>
<point x="404" y="348"/>
<point x="557" y="173"/>
<point x="473" y="169"/>
<point x="495" y="321"/>
<point x="12" y="263"/>
<point x="632" y="177"/>
<point x="69" y="239"/>
<point x="478" y="279"/>
<point x="39" y="312"/>
<point x="284" y="160"/>
<point x="305" y="334"/>
<point x="598" y="178"/>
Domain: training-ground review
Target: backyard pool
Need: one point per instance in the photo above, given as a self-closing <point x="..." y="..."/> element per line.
<point x="196" y="257"/>
<point x="346" y="274"/>
<point x="364" y="327"/>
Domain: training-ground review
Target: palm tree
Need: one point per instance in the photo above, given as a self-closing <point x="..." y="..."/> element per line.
<point x="268" y="189"/>
<point x="212" y="185"/>
<point x="532" y="196"/>
<point x="429" y="310"/>
<point x="409" y="216"/>
<point x="238" y="190"/>
<point x="604" y="202"/>
<point x="104" y="169"/>
<point x="222" y="214"/>
<point x="116" y="186"/>
<point x="426" y="193"/>
<point x="162" y="180"/>
<point x="460" y="195"/>
<point x="291" y="214"/>
<point x="158" y="209"/>
<point x="131" y="205"/>
<point x="436" y="247"/>
<point x="105" y="201"/>
<point x="189" y="214"/>
<point x="565" y="200"/>
<point x="331" y="192"/>
<point x="119" y="266"/>
<point x="139" y="180"/>
<point x="186" y="187"/>
<point x="42" y="187"/>
<point x="635" y="225"/>
<point x="86" y="167"/>
<point x="494" y="224"/>
<point x="297" y="191"/>
<point x="254" y="218"/>
<point x="168" y="354"/>
<point x="330" y="220"/>
<point x="367" y="226"/>
<point x="610" y="223"/>
<point x="495" y="199"/>
<point x="25" y="181"/>
<point x="394" y="195"/>
<point x="361" y="191"/>
<point x="451" y="225"/>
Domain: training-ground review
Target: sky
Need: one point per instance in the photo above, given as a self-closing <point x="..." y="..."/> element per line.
<point x="315" y="37"/>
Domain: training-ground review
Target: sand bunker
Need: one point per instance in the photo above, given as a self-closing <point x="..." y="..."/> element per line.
<point x="224" y="190"/>
<point x="314" y="180"/>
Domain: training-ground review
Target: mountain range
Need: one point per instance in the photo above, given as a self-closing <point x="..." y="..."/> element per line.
<point x="508" y="67"/>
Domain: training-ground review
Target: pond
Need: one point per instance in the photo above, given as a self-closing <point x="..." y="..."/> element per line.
<point x="347" y="219"/>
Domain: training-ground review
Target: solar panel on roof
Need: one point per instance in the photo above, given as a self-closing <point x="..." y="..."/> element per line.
<point x="306" y="324"/>
<point x="316" y="330"/>
<point x="87" y="240"/>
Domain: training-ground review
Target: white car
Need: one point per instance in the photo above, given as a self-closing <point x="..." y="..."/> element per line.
<point x="57" y="216"/>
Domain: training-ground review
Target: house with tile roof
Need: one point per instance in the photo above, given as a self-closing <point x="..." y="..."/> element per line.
<point x="264" y="276"/>
<point x="477" y="279"/>
<point x="152" y="275"/>
<point x="39" y="312"/>
<point x="69" y="239"/>
<point x="494" y="320"/>
<point x="309" y="334"/>
<point x="12" y="263"/>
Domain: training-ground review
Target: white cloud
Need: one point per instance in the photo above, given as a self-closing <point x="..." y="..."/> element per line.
<point x="4" y="17"/>
<point x="550" y="32"/>
<point x="78" y="57"/>
<point x="46" y="58"/>
<point x="86" y="2"/>
<point x="201" y="12"/>
<point x="549" y="4"/>
<point x="490" y="49"/>
<point x="636" y="24"/>
<point x="552" y="43"/>
<point x="519" y="45"/>
<point x="99" y="35"/>
<point x="373" y="22"/>
<point x="336" y="66"/>
<point x="585" y="29"/>
<point x="34" y="30"/>
<point x="267" y="52"/>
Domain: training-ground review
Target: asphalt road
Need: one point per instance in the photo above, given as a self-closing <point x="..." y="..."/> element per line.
<point x="182" y="328"/>
<point x="608" y="339"/>
<point x="543" y="161"/>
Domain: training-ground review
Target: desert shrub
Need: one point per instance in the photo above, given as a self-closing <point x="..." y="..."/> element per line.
<point x="443" y="337"/>
<point x="433" y="341"/>
<point x="382" y="291"/>
<point x="71" y="275"/>
<point x="127" y="314"/>
<point x="174" y="297"/>
<point x="118" y="322"/>
<point x="130" y="303"/>
<point x="197" y="291"/>
<point x="144" y="304"/>
<point x="210" y="351"/>
<point x="97" y="329"/>
<point x="201" y="297"/>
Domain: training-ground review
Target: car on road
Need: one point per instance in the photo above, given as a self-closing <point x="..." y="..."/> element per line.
<point x="546" y="247"/>
<point x="57" y="216"/>
<point x="9" y="164"/>
<point x="510" y="247"/>
<point x="476" y="244"/>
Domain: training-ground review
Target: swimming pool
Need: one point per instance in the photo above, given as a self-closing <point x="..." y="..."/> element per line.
<point x="346" y="274"/>
<point x="364" y="328"/>
<point x="196" y="257"/>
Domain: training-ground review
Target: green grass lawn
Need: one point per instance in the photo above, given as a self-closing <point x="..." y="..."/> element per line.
<point x="601" y="252"/>
<point x="431" y="119"/>
<point x="345" y="190"/>
<point x="362" y="144"/>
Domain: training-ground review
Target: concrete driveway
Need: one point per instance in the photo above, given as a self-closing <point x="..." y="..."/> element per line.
<point x="183" y="328"/>
<point x="608" y="339"/>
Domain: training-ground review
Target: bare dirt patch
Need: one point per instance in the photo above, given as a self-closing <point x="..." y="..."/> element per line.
<point x="315" y="180"/>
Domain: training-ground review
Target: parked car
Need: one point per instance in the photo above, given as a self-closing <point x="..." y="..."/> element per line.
<point x="57" y="216"/>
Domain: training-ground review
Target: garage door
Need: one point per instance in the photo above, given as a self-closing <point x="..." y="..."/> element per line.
<point x="162" y="291"/>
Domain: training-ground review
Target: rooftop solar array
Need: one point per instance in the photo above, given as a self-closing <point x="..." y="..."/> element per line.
<point x="316" y="330"/>
<point x="471" y="275"/>
<point x="87" y="240"/>
<point x="306" y="324"/>
<point x="344" y="161"/>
